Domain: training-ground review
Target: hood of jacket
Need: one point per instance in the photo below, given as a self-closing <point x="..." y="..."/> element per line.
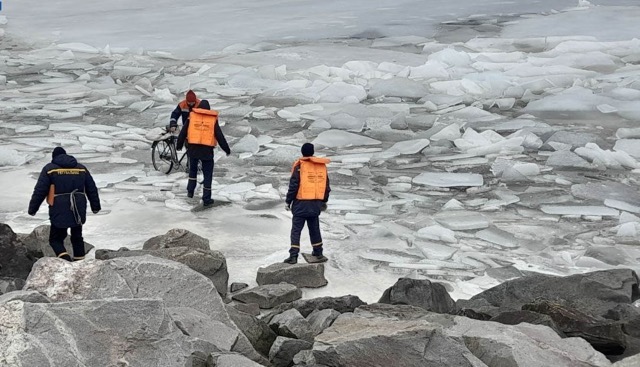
<point x="65" y="161"/>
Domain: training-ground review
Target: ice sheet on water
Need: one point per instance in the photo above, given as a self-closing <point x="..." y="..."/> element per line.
<point x="247" y="144"/>
<point x="437" y="233"/>
<point x="453" y="204"/>
<point x="410" y="146"/>
<point x="575" y="139"/>
<point x="606" y="190"/>
<point x="461" y="220"/>
<point x="397" y="87"/>
<point x="628" y="217"/>
<point x="607" y="158"/>
<point x="591" y="210"/>
<point x="11" y="157"/>
<point x="568" y="159"/>
<point x="499" y="237"/>
<point x="451" y="57"/>
<point x="341" y="139"/>
<point x="343" y="121"/>
<point x="629" y="229"/>
<point x="78" y="47"/>
<point x="435" y="251"/>
<point x="628" y="133"/>
<point x="629" y="146"/>
<point x="622" y="205"/>
<point x="449" y="132"/>
<point x="432" y="69"/>
<point x="446" y="179"/>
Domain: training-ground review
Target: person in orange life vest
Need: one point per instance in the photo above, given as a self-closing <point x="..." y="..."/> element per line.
<point x="183" y="109"/>
<point x="202" y="133"/>
<point x="307" y="197"/>
<point x="66" y="184"/>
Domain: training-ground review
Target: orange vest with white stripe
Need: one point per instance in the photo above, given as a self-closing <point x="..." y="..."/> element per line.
<point x="201" y="127"/>
<point x="184" y="105"/>
<point x="313" y="178"/>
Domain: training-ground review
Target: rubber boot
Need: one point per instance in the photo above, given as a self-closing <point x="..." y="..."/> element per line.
<point x="293" y="259"/>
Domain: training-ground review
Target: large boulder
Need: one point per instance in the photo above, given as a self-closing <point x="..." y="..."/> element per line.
<point x="292" y="325"/>
<point x="103" y="332"/>
<point x="605" y="336"/>
<point x="8" y="284"/>
<point x="37" y="243"/>
<point x="134" y="277"/>
<point x="269" y="295"/>
<point x="306" y="306"/>
<point x="209" y="263"/>
<point x="24" y="296"/>
<point x="14" y="261"/>
<point x="300" y="275"/>
<point x="594" y="294"/>
<point x="257" y="331"/>
<point x="401" y="335"/>
<point x="199" y="325"/>
<point x="530" y="317"/>
<point x="284" y="349"/>
<point x="420" y="293"/>
<point x="176" y="237"/>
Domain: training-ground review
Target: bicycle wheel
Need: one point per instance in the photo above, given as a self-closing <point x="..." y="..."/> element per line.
<point x="161" y="156"/>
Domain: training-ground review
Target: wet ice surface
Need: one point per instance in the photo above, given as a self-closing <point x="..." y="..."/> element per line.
<point x="463" y="162"/>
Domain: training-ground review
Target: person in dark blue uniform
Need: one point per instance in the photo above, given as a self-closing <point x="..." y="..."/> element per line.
<point x="66" y="185"/>
<point x="307" y="196"/>
<point x="200" y="141"/>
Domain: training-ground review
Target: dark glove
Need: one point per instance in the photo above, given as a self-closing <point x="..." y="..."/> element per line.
<point x="287" y="207"/>
<point x="323" y="207"/>
<point x="178" y="147"/>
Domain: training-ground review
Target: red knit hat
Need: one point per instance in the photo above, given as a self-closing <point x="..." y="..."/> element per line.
<point x="191" y="96"/>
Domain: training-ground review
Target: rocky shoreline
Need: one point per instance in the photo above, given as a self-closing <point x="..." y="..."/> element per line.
<point x="171" y="304"/>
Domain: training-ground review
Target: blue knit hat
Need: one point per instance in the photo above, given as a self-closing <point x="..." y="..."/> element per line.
<point x="57" y="151"/>
<point x="307" y="150"/>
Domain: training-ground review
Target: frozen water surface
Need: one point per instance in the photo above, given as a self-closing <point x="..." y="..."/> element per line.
<point x="458" y="150"/>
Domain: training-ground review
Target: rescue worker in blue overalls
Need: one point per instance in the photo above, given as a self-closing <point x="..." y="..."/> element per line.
<point x="66" y="185"/>
<point x="307" y="197"/>
<point x="183" y="109"/>
<point x="202" y="133"/>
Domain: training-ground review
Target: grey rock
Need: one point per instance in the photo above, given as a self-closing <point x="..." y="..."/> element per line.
<point x="24" y="296"/>
<point x="269" y="295"/>
<point x="534" y="318"/>
<point x="209" y="263"/>
<point x="238" y="287"/>
<point x="593" y="293"/>
<point x="633" y="361"/>
<point x="292" y="325"/>
<point x="250" y="308"/>
<point x="230" y="360"/>
<point x="322" y="319"/>
<point x="129" y="332"/>
<point x="341" y="304"/>
<point x="133" y="277"/>
<point x="8" y="284"/>
<point x="300" y="275"/>
<point x="257" y="331"/>
<point x="37" y="243"/>
<point x="605" y="336"/>
<point x="197" y="324"/>
<point x="420" y="293"/>
<point x="14" y="262"/>
<point x="284" y="349"/>
<point x="176" y="237"/>
<point x="493" y="343"/>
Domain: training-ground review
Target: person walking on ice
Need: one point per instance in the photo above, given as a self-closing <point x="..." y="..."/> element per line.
<point x="202" y="133"/>
<point x="307" y="197"/>
<point x="66" y="184"/>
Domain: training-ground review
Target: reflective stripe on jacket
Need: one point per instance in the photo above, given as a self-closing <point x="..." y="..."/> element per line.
<point x="313" y="178"/>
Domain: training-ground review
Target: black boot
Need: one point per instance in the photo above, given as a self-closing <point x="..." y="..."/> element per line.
<point x="292" y="259"/>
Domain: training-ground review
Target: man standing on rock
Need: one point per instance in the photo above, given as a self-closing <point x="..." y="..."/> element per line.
<point x="308" y="192"/>
<point x="66" y="185"/>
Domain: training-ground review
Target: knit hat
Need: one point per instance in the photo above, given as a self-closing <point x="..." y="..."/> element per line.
<point x="57" y="151"/>
<point x="307" y="150"/>
<point x="191" y="96"/>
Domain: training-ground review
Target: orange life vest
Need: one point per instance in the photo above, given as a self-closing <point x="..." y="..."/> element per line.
<point x="202" y="125"/>
<point x="313" y="178"/>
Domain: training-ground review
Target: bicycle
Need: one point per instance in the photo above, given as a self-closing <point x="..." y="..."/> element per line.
<point x="164" y="154"/>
